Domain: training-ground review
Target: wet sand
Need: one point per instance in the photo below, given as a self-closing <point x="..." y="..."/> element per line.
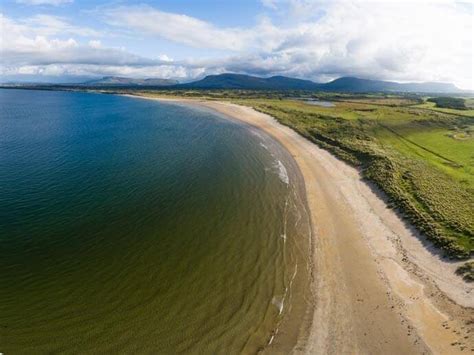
<point x="376" y="287"/>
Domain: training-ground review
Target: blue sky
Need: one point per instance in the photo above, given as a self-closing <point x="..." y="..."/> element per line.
<point x="69" y="40"/>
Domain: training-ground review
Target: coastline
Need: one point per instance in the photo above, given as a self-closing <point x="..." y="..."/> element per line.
<point x="376" y="288"/>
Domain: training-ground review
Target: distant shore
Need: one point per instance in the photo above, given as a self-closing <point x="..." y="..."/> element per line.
<point x="376" y="288"/>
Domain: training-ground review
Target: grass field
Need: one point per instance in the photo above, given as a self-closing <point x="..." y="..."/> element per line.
<point x="420" y="156"/>
<point x="423" y="160"/>
<point x="432" y="106"/>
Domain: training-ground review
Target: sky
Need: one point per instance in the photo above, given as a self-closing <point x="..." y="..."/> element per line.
<point x="320" y="40"/>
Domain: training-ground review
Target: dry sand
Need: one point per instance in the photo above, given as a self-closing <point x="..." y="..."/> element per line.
<point x="377" y="288"/>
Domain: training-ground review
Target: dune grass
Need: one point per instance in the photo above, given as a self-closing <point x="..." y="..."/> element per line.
<point x="423" y="160"/>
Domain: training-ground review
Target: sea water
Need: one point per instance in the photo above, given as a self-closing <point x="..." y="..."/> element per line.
<point x="131" y="225"/>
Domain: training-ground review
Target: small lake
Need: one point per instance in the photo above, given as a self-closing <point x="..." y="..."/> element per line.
<point x="315" y="102"/>
<point x="320" y="103"/>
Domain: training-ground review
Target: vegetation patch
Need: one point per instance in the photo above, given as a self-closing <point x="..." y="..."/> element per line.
<point x="466" y="271"/>
<point x="462" y="133"/>
<point x="456" y="103"/>
<point x="441" y="207"/>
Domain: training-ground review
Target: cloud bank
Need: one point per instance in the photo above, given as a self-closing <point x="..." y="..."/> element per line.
<point x="319" y="40"/>
<point x="44" y="2"/>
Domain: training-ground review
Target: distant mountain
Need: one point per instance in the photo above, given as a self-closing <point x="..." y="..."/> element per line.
<point x="344" y="84"/>
<point x="240" y="81"/>
<point x="248" y="82"/>
<point x="349" y="84"/>
<point x="121" y="81"/>
<point x="431" y="87"/>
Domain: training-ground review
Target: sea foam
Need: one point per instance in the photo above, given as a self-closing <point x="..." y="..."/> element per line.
<point x="279" y="302"/>
<point x="282" y="172"/>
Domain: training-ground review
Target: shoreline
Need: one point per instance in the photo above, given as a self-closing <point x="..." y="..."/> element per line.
<point x="376" y="288"/>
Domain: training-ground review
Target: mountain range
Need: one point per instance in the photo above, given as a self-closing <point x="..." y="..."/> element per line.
<point x="240" y="81"/>
<point x="344" y="84"/>
<point x="248" y="82"/>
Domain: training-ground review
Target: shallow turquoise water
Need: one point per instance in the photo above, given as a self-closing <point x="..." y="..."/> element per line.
<point x="128" y="225"/>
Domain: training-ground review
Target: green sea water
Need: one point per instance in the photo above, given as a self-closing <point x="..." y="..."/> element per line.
<point x="135" y="226"/>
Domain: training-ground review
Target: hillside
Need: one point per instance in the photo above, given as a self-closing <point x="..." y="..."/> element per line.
<point x="344" y="84"/>
<point x="350" y="84"/>
<point x="229" y="81"/>
<point x="248" y="82"/>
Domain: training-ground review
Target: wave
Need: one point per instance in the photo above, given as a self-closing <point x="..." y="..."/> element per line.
<point x="282" y="172"/>
<point x="279" y="302"/>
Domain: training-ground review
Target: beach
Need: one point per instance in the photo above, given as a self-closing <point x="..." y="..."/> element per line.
<point x="376" y="288"/>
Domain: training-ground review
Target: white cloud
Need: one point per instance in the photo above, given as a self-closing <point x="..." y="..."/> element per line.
<point x="95" y="44"/>
<point x="177" y="27"/>
<point x="47" y="25"/>
<point x="29" y="47"/>
<point x="44" y="2"/>
<point x="271" y="4"/>
<point x="165" y="58"/>
<point x="159" y="71"/>
<point x="319" y="40"/>
<point x="27" y="43"/>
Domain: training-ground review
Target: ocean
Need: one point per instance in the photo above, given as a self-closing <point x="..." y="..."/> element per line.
<point x="131" y="225"/>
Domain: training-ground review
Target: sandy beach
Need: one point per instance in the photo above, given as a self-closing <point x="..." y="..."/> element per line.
<point x="376" y="287"/>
